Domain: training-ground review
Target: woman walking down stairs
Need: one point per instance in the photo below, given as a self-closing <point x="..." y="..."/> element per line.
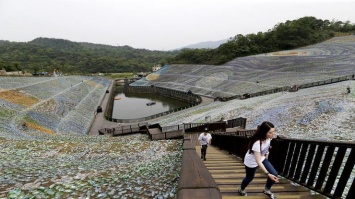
<point x="228" y="172"/>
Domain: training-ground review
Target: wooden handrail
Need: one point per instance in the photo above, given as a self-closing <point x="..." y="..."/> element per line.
<point x="322" y="166"/>
<point x="195" y="179"/>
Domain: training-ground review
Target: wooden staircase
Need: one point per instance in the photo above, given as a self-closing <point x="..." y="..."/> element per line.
<point x="228" y="172"/>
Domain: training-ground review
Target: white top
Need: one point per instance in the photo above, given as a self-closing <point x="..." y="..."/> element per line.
<point x="205" y="139"/>
<point x="249" y="159"/>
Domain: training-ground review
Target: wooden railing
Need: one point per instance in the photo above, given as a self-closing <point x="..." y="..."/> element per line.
<point x="124" y="129"/>
<point x="288" y="88"/>
<point x="324" y="167"/>
<point x="172" y="128"/>
<point x="195" y="180"/>
<point x="237" y="122"/>
<point x="200" y="127"/>
<point x="328" y="81"/>
<point x="243" y="133"/>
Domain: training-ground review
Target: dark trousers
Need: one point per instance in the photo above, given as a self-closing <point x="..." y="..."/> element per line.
<point x="250" y="172"/>
<point x="203" y="151"/>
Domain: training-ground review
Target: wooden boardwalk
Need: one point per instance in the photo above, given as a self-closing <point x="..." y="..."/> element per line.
<point x="228" y="172"/>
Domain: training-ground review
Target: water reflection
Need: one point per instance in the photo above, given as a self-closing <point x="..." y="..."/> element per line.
<point x="134" y="105"/>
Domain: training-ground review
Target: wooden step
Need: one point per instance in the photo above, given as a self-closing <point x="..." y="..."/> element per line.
<point x="228" y="172"/>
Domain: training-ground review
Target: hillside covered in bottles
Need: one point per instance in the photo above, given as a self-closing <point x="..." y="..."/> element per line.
<point x="333" y="58"/>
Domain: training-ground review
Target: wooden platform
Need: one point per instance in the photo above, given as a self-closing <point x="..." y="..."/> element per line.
<point x="228" y="172"/>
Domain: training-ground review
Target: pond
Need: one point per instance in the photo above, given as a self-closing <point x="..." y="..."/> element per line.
<point x="129" y="105"/>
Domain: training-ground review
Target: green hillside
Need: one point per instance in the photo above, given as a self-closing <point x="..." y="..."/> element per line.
<point x="283" y="36"/>
<point x="46" y="54"/>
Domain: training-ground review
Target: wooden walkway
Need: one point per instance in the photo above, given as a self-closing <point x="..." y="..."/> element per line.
<point x="228" y="172"/>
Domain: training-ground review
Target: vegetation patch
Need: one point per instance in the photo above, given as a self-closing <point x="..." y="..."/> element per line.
<point x="119" y="75"/>
<point x="35" y="126"/>
<point x="151" y="77"/>
<point x="18" y="98"/>
<point x="91" y="83"/>
<point x="289" y="53"/>
<point x="199" y="111"/>
<point x="4" y="113"/>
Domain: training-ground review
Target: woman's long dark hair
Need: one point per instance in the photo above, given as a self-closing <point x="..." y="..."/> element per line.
<point x="260" y="133"/>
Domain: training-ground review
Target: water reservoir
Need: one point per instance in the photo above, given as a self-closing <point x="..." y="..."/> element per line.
<point x="129" y="105"/>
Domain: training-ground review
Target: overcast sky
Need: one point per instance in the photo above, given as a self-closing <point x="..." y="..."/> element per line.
<point x="156" y="24"/>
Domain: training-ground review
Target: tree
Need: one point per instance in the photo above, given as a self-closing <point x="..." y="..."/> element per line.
<point x="48" y="54"/>
<point x="283" y="36"/>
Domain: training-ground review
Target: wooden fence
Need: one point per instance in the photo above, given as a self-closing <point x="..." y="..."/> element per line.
<point x="124" y="129"/>
<point x="328" y="81"/>
<point x="288" y="88"/>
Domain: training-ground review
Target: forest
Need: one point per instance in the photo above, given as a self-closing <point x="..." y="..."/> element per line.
<point x="283" y="36"/>
<point x="49" y="54"/>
